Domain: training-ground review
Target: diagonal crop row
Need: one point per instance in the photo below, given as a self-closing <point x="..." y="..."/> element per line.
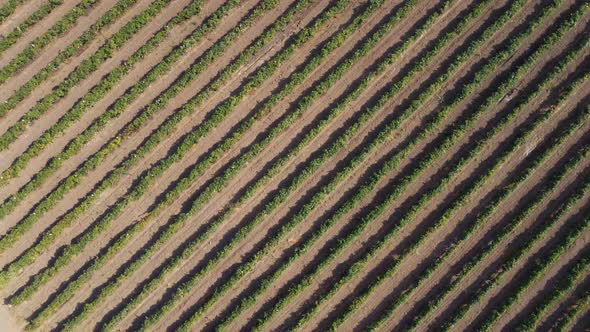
<point x="539" y="266"/>
<point x="74" y="179"/>
<point x="460" y="201"/>
<point x="76" y="144"/>
<point x="464" y="196"/>
<point x="9" y="7"/>
<point x="498" y="237"/>
<point x="43" y="11"/>
<point x="221" y="289"/>
<point x="71" y="50"/>
<point x="579" y="303"/>
<point x="390" y="164"/>
<point x="426" y="273"/>
<point x="246" y="301"/>
<point x="468" y="231"/>
<point x="150" y="143"/>
<point x="312" y="165"/>
<point x="36" y="46"/>
<point x="524" y="246"/>
<point x="219" y="182"/>
<point x="564" y="285"/>
<point x="191" y="138"/>
<point x="543" y="228"/>
<point x="550" y="184"/>
<point x="254" y="150"/>
<point x="173" y="227"/>
<point x="96" y="94"/>
<point x="84" y="104"/>
<point x="448" y="142"/>
<point x="82" y="71"/>
<point x="123" y="238"/>
<point x="539" y="158"/>
<point x="153" y="140"/>
<point x="93" y="96"/>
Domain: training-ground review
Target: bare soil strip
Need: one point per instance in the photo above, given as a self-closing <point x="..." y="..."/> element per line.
<point x="228" y="240"/>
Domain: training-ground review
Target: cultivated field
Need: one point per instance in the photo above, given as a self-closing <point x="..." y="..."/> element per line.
<point x="310" y="165"/>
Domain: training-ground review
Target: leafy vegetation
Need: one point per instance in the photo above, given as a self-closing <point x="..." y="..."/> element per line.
<point x="173" y="227"/>
<point x="73" y="180"/>
<point x="505" y="231"/>
<point x="9" y="7"/>
<point x="94" y="96"/>
<point x="34" y="48"/>
<point x="471" y="190"/>
<point x="123" y="238"/>
<point x="301" y="125"/>
<point x="575" y="308"/>
<point x="391" y="163"/>
<point x="232" y="169"/>
<point x="86" y="68"/>
<point x="43" y="11"/>
<point x="71" y="50"/>
<point x="573" y="232"/>
<point x="565" y="284"/>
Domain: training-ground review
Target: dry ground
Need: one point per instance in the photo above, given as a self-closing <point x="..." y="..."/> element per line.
<point x="228" y="232"/>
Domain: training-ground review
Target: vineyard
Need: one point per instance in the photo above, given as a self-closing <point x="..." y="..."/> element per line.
<point x="280" y="165"/>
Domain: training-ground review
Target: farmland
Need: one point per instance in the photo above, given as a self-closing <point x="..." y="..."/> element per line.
<point x="311" y="165"/>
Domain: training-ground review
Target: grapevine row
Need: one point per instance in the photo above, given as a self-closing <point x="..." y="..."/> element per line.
<point x="572" y="311"/>
<point x="254" y="150"/>
<point x="550" y="184"/>
<point x="82" y="71"/>
<point x="539" y="157"/>
<point x="391" y="163"/>
<point x="36" y="46"/>
<point x="373" y="214"/>
<point x="538" y="266"/>
<point x="459" y="201"/>
<point x="306" y="172"/>
<point x="84" y="104"/>
<point x="481" y="217"/>
<point x="74" y="179"/>
<point x="233" y="169"/>
<point x="186" y="78"/>
<point x="194" y="136"/>
<point x="125" y="256"/>
<point x="574" y="230"/>
<point x="43" y="11"/>
<point x="123" y="238"/>
<point x="476" y="224"/>
<point x="92" y="97"/>
<point x="300" y="250"/>
<point x="173" y="227"/>
<point x="564" y="285"/>
<point x="71" y="50"/>
<point x="8" y="8"/>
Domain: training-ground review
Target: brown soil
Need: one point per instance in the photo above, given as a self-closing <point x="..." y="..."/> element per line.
<point x="408" y="269"/>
